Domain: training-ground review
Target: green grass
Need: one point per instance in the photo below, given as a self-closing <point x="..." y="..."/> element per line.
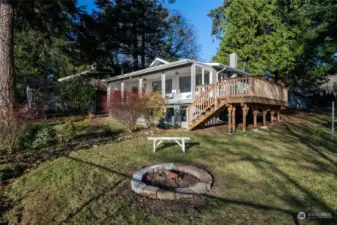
<point x="101" y="125"/>
<point x="265" y="177"/>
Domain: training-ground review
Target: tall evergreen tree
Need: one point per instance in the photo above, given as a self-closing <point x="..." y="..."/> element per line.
<point x="295" y="41"/>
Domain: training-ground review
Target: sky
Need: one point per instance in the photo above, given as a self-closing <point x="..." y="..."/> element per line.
<point x="196" y="12"/>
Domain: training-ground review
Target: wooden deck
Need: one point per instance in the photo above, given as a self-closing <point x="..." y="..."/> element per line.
<point x="252" y="93"/>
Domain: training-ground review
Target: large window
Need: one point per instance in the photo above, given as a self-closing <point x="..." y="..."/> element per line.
<point x="168" y="86"/>
<point x="206" y="76"/>
<point x="198" y="75"/>
<point x="156" y="86"/>
<point x="185" y="84"/>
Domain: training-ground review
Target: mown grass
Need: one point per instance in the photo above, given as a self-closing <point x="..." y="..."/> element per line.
<point x="266" y="177"/>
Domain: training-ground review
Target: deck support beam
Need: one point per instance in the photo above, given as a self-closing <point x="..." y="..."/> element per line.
<point x="278" y="113"/>
<point x="245" y="110"/>
<point x="264" y="115"/>
<point x="255" y="114"/>
<point x="272" y="116"/>
<point x="229" y="116"/>
<point x="233" y="119"/>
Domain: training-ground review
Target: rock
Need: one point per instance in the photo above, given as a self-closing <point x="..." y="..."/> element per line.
<point x="199" y="188"/>
<point x="168" y="195"/>
<point x="150" y="191"/>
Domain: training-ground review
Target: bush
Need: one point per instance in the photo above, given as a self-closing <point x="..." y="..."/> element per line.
<point x="71" y="129"/>
<point x="8" y="171"/>
<point x="37" y="136"/>
<point x="11" y="129"/>
<point x="128" y="110"/>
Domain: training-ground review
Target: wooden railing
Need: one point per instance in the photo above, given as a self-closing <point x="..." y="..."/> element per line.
<point x="201" y="104"/>
<point x="207" y="95"/>
<point x="199" y="89"/>
<point x="245" y="86"/>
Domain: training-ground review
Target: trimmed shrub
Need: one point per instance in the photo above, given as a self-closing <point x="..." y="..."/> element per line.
<point x="37" y="136"/>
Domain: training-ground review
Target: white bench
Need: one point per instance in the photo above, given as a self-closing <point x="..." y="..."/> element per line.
<point x="176" y="139"/>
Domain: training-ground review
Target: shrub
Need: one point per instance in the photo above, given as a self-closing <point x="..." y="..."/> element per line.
<point x="127" y="111"/>
<point x="8" y="171"/>
<point x="78" y="96"/>
<point x="71" y="129"/>
<point x="11" y="129"/>
<point x="37" y="136"/>
<point x="155" y="106"/>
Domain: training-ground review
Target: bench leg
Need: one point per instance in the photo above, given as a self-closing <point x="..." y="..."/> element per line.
<point x="154" y="146"/>
<point x="183" y="145"/>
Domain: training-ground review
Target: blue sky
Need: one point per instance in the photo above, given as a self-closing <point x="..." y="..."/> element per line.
<point x="196" y="12"/>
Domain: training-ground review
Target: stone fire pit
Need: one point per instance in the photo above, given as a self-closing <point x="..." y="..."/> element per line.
<point x="171" y="181"/>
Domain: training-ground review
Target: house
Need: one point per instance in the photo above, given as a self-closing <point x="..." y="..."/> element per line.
<point x="309" y="96"/>
<point x="198" y="93"/>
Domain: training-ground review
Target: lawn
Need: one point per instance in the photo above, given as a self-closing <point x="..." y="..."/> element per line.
<point x="266" y="177"/>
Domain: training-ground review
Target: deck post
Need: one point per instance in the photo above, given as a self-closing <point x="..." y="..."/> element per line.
<point x="233" y="118"/>
<point x="229" y="118"/>
<point x="255" y="113"/>
<point x="278" y="113"/>
<point x="245" y="110"/>
<point x="264" y="114"/>
<point x="272" y="118"/>
<point x="163" y="85"/>
<point x="140" y="87"/>
<point x="122" y="90"/>
<point x="109" y="95"/>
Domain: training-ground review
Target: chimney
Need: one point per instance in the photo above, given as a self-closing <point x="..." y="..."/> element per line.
<point x="233" y="60"/>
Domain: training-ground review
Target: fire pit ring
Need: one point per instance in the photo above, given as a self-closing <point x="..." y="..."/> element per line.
<point x="140" y="187"/>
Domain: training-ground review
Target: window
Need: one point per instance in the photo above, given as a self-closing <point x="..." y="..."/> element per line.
<point x="206" y="76"/>
<point x="185" y="84"/>
<point x="134" y="90"/>
<point x="168" y="86"/>
<point x="156" y="86"/>
<point x="169" y="114"/>
<point x="198" y="75"/>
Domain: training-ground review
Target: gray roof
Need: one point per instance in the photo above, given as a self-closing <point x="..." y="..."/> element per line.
<point x="170" y="66"/>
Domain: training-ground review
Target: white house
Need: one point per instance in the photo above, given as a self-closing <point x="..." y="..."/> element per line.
<point x="180" y="82"/>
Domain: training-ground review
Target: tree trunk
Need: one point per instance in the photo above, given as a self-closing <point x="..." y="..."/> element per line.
<point x="6" y="59"/>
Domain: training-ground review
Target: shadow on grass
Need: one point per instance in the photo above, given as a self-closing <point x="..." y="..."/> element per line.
<point x="225" y="201"/>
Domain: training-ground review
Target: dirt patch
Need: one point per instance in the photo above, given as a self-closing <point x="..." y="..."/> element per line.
<point x="164" y="206"/>
<point x="170" y="179"/>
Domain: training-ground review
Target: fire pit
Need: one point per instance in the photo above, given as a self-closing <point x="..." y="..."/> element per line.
<point x="171" y="181"/>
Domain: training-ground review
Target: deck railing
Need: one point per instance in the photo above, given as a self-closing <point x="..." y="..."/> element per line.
<point x="207" y="95"/>
<point x="244" y="86"/>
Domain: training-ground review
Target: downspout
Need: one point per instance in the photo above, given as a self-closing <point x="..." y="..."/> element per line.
<point x="217" y="73"/>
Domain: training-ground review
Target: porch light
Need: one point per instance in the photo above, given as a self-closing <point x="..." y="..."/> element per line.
<point x="177" y="73"/>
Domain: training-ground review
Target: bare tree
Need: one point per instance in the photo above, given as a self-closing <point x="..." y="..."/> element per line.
<point x="6" y="59"/>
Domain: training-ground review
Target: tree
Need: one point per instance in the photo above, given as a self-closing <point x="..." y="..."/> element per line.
<point x="6" y="60"/>
<point x="258" y="35"/>
<point x="294" y="41"/>
<point x="78" y="96"/>
<point x="180" y="39"/>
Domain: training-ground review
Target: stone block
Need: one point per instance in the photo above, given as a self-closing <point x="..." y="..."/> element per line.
<point x="199" y="188"/>
<point x="168" y="195"/>
<point x="168" y="166"/>
<point x="137" y="186"/>
<point x="150" y="192"/>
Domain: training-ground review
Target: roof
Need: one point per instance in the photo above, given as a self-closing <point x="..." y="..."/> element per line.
<point x="158" y="61"/>
<point x="77" y="75"/>
<point x="173" y="65"/>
